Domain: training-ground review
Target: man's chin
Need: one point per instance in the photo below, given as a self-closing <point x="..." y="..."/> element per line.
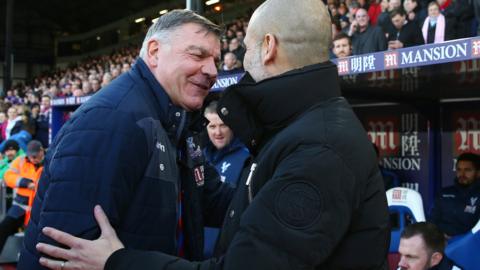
<point x="193" y="105"/>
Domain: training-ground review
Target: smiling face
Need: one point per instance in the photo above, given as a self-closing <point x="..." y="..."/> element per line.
<point x="362" y="18"/>
<point x="433" y="11"/>
<point x="185" y="65"/>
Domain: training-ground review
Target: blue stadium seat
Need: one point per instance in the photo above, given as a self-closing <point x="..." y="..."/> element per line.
<point x="405" y="207"/>
<point x="464" y="249"/>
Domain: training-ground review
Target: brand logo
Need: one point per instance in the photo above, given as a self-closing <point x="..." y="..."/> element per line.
<point x="384" y="134"/>
<point x="390" y="60"/>
<point x="467" y="134"/>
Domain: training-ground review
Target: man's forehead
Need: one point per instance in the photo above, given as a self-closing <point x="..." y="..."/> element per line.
<point x="415" y="242"/>
<point x="465" y="163"/>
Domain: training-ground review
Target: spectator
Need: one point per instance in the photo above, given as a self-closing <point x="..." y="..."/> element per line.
<point x="345" y="24"/>
<point x="12" y="125"/>
<point x="240" y="35"/>
<point x="125" y="67"/>
<point x="366" y="38"/>
<point x="342" y="45"/>
<point x="95" y="85"/>
<point x="235" y="48"/>
<point x="230" y="65"/>
<point x="31" y="98"/>
<point x="384" y="20"/>
<point x="77" y="92"/>
<point x="224" y="46"/>
<point x="336" y="28"/>
<point x="115" y="72"/>
<point x="342" y="9"/>
<point x="53" y="91"/>
<point x="405" y="33"/>
<point x="434" y="27"/>
<point x="227" y="154"/>
<point x="86" y="88"/>
<point x="22" y="176"/>
<point x="459" y="16"/>
<point x="12" y="98"/>
<point x="422" y="247"/>
<point x="66" y="90"/>
<point x="43" y="122"/>
<point x="414" y="11"/>
<point x="457" y="208"/>
<point x="374" y="11"/>
<point x="332" y="8"/>
<point x="107" y="78"/>
<point x="3" y="118"/>
<point x="11" y="151"/>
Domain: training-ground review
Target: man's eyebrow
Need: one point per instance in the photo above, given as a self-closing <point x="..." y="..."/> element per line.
<point x="204" y="52"/>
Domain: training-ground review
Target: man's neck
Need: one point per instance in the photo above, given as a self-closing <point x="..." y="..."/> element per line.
<point x="363" y="29"/>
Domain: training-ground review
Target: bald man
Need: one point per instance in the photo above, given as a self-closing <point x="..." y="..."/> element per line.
<point x="313" y="196"/>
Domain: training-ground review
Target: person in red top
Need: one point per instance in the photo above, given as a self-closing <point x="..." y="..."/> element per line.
<point x="22" y="176"/>
<point x="374" y="10"/>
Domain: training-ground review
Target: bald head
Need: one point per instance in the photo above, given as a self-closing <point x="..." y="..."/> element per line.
<point x="302" y="40"/>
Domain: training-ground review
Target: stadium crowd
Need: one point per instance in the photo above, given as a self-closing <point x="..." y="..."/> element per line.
<point x="363" y="26"/>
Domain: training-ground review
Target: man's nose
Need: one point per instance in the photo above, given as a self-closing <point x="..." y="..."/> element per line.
<point x="210" y="68"/>
<point x="402" y="264"/>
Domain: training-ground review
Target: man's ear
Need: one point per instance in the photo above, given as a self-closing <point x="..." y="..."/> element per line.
<point x="153" y="48"/>
<point x="435" y="258"/>
<point x="269" y="47"/>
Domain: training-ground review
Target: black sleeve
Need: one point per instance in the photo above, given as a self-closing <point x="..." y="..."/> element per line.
<point x="217" y="196"/>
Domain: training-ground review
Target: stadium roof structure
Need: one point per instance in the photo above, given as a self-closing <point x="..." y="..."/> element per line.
<point x="65" y="17"/>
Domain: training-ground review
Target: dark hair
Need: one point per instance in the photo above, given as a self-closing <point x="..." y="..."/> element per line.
<point x="431" y="235"/>
<point x="474" y="158"/>
<point x="342" y="35"/>
<point x="398" y="11"/>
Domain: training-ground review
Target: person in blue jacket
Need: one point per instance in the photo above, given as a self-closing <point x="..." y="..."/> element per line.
<point x="224" y="150"/>
<point x="227" y="154"/>
<point x="131" y="149"/>
<point x="457" y="208"/>
<point x="422" y="247"/>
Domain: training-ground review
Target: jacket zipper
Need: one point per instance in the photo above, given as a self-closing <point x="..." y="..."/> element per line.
<point x="249" y="179"/>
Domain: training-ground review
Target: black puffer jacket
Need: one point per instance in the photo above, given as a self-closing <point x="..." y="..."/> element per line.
<point x="313" y="198"/>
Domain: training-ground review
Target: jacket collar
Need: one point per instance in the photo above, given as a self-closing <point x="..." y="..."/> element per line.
<point x="472" y="187"/>
<point x="213" y="155"/>
<point x="257" y="110"/>
<point x="173" y="118"/>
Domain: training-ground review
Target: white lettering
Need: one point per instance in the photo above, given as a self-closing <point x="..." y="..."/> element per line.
<point x="399" y="163"/>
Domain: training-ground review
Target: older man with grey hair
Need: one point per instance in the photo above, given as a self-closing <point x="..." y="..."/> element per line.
<point x="130" y="149"/>
<point x="313" y="196"/>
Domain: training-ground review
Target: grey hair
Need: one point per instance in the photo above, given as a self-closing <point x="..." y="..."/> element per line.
<point x="169" y="22"/>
